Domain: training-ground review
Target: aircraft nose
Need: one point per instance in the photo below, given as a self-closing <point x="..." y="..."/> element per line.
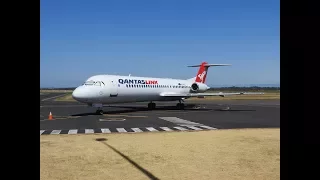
<point x="78" y="94"/>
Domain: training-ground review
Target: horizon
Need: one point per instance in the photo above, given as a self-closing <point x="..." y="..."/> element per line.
<point x="79" y="39"/>
<point x="211" y="86"/>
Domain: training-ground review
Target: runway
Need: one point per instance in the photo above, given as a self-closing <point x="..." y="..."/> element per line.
<point x="77" y="118"/>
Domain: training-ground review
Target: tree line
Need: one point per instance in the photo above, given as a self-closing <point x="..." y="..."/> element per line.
<point x="252" y="88"/>
<point x="232" y="88"/>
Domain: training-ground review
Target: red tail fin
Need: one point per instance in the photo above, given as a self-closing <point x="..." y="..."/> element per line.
<point x="202" y="73"/>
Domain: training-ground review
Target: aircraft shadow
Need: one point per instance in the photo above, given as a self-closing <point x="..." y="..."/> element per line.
<point x="141" y="169"/>
<point x="130" y="109"/>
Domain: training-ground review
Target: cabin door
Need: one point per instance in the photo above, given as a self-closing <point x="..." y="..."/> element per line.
<point x="113" y="89"/>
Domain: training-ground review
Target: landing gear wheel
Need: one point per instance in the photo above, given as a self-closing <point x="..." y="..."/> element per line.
<point x="180" y="106"/>
<point x="99" y="111"/>
<point x="226" y="109"/>
<point x="152" y="105"/>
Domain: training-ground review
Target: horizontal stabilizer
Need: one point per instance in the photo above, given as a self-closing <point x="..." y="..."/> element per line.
<point x="208" y="65"/>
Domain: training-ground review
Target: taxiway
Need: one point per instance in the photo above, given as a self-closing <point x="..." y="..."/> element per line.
<point x="75" y="118"/>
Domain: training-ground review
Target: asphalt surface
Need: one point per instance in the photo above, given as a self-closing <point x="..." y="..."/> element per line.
<point x="73" y="118"/>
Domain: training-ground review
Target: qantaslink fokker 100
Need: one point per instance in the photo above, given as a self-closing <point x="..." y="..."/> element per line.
<point x="100" y="90"/>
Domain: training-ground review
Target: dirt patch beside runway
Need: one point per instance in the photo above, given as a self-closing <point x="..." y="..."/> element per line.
<point x="223" y="154"/>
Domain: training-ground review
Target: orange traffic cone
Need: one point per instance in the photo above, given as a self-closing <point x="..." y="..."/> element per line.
<point x="50" y="116"/>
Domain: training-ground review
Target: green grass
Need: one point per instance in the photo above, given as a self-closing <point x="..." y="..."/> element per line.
<point x="67" y="97"/>
<point x="55" y="91"/>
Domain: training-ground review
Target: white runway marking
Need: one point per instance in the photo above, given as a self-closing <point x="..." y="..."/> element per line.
<point x="106" y="130"/>
<point x="151" y="129"/>
<point x="180" y="128"/>
<point x="55" y="132"/>
<point x="73" y="131"/>
<point x="258" y="105"/>
<point x="121" y="130"/>
<point x="89" y="131"/>
<point x="125" y="130"/>
<point x="166" y="128"/>
<point x="112" y="119"/>
<point x="195" y="128"/>
<point x="208" y="127"/>
<point x="180" y="122"/>
<point x="136" y="130"/>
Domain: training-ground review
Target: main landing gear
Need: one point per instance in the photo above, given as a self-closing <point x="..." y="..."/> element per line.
<point x="151" y="105"/>
<point x="180" y="105"/>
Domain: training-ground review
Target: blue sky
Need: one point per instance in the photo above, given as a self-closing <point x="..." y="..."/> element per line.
<point x="81" y="38"/>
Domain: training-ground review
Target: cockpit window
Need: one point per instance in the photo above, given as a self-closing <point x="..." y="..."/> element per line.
<point x="93" y="83"/>
<point x="89" y="83"/>
<point x="97" y="83"/>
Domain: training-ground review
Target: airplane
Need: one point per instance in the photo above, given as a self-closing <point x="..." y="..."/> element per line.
<point x="100" y="90"/>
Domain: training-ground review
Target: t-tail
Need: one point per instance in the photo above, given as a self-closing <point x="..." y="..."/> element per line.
<point x="203" y="71"/>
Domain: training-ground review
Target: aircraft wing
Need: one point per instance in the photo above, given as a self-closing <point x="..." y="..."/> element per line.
<point x="207" y="94"/>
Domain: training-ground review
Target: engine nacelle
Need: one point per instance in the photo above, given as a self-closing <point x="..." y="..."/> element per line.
<point x="199" y="87"/>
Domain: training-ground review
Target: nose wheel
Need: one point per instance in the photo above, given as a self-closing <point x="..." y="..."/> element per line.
<point x="99" y="111"/>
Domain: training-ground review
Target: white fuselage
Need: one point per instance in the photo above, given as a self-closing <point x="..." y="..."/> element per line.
<point x="108" y="89"/>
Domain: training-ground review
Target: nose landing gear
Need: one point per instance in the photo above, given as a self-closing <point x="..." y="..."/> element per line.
<point x="99" y="111"/>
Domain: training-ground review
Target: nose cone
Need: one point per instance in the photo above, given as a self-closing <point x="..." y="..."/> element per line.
<point x="79" y="94"/>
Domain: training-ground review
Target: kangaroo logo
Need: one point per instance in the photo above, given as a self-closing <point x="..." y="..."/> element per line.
<point x="201" y="76"/>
